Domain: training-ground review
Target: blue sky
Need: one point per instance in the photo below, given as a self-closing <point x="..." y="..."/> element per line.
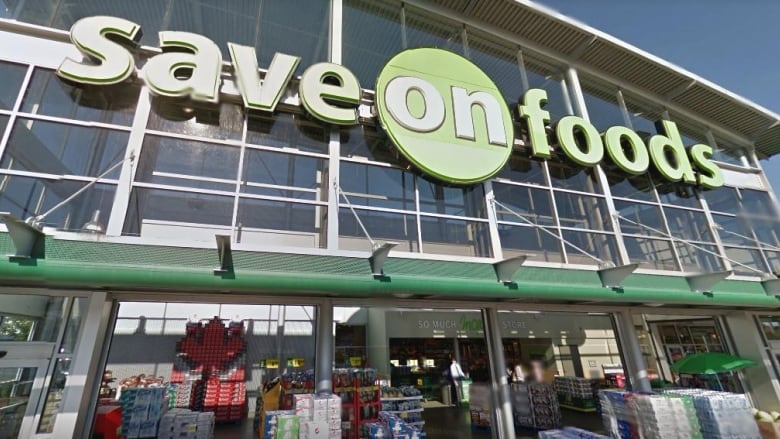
<point x="735" y="44"/>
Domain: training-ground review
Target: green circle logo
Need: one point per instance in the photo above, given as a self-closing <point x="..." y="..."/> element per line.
<point x="445" y="115"/>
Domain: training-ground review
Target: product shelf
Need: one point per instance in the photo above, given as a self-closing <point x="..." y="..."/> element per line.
<point x="403" y="398"/>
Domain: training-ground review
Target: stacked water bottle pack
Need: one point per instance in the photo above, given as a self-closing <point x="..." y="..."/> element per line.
<point x="185" y="424"/>
<point x="618" y="417"/>
<point x="142" y="409"/>
<point x="570" y="433"/>
<point x="390" y="426"/>
<point x="665" y="416"/>
<point x="722" y="414"/>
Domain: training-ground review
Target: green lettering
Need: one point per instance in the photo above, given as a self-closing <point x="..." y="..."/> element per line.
<point x="618" y="140"/>
<point x="327" y="101"/>
<point x="536" y="118"/>
<point x="660" y="145"/>
<point x="710" y="176"/>
<point x="567" y="129"/>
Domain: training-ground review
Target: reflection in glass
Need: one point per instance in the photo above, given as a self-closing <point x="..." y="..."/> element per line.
<point x="541" y="75"/>
<point x="367" y="142"/>
<point x="519" y="240"/>
<point x="499" y="62"/>
<point x="460" y="201"/>
<point x="27" y="317"/>
<point x="285" y="28"/>
<point x="767" y="231"/>
<point x="222" y="121"/>
<point x="54" y="395"/>
<point x="758" y="204"/>
<point x="582" y="211"/>
<point x="695" y="259"/>
<point x="522" y="169"/>
<point x="371" y="35"/>
<point x="221" y="22"/>
<point x="279" y="215"/>
<point x="27" y="197"/>
<point x="722" y="199"/>
<point x="59" y="149"/>
<point x="643" y="117"/>
<point x="275" y="174"/>
<point x="677" y="193"/>
<point x="287" y="130"/>
<point x="377" y="186"/>
<point x="455" y="237"/>
<point x="48" y="94"/>
<point x="148" y="205"/>
<point x="600" y="245"/>
<point x="650" y="253"/>
<point x="734" y="230"/>
<point x="16" y="384"/>
<point x="382" y="226"/>
<point x="746" y="261"/>
<point x="632" y="187"/>
<point x="691" y="225"/>
<point x="603" y="109"/>
<point x="567" y="175"/>
<point x="648" y="215"/>
<point x="13" y="75"/>
<point x="532" y="204"/>
<point x="172" y="161"/>
<point x="426" y="30"/>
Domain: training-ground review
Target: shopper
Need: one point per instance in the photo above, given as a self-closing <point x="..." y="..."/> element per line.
<point x="456" y="376"/>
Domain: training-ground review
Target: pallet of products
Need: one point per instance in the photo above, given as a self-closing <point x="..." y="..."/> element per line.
<point x="142" y="409"/>
<point x="535" y="405"/>
<point x="180" y="423"/>
<point x="618" y="415"/>
<point x="405" y="402"/>
<point x="210" y="370"/>
<point x="721" y="414"/>
<point x="570" y="433"/>
<point x="390" y="426"/>
<point x="577" y="393"/>
<point x="665" y="416"/>
<point x="479" y="405"/>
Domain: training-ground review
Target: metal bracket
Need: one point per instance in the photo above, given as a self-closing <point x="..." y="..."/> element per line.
<point x="612" y="276"/>
<point x="771" y="286"/>
<point x="378" y="258"/>
<point x="703" y="282"/>
<point x="507" y="268"/>
<point x="225" y="255"/>
<point x="27" y="239"/>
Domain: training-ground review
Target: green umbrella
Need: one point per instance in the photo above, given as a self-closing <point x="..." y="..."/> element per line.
<point x="710" y="363"/>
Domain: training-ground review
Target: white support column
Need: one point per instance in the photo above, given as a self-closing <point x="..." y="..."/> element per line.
<point x="116" y="220"/>
<point x="632" y="353"/>
<point x="84" y="378"/>
<point x="495" y="240"/>
<point x="334" y="153"/>
<point x="323" y="369"/>
<point x="502" y="405"/>
<point x="582" y="111"/>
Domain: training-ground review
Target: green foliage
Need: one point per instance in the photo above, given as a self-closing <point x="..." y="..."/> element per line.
<point x="16" y="328"/>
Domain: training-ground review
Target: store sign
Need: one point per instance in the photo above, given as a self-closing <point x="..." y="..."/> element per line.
<point x="441" y="110"/>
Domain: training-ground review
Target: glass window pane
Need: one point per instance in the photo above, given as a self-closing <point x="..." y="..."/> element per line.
<point x="522" y="169"/>
<point x="59" y="149"/>
<point x="520" y="240"/>
<point x="48" y="94"/>
<point x="377" y="186"/>
<point x="603" y="108"/>
<point x="371" y="36"/>
<point x="650" y="253"/>
<point x="367" y="142"/>
<point x="688" y="224"/>
<point x="172" y="161"/>
<point x="677" y="194"/>
<point x="272" y="173"/>
<point x="722" y="199"/>
<point x="533" y="204"/>
<point x="149" y="205"/>
<point x="13" y="75"/>
<point x="734" y="230"/>
<point x="304" y="219"/>
<point x="285" y="28"/>
<point x="645" y="214"/>
<point x="426" y="30"/>
<point x="600" y="245"/>
<point x="455" y="237"/>
<point x="567" y="175"/>
<point x="499" y="61"/>
<point x="758" y="204"/>
<point x="54" y="395"/>
<point x="16" y="386"/>
<point x="382" y="226"/>
<point x="771" y="326"/>
<point x="728" y="153"/>
<point x="773" y="258"/>
<point x="27" y="197"/>
<point x="3" y="124"/>
<point x="461" y="201"/>
<point x="582" y="211"/>
<point x="224" y="121"/>
<point x="643" y="116"/>
<point x="695" y="259"/>
<point x="633" y="187"/>
<point x="541" y="75"/>
<point x="73" y="326"/>
<point x="25" y="317"/>
<point x="767" y="231"/>
<point x="744" y="259"/>
<point x="286" y="130"/>
<point x="235" y="21"/>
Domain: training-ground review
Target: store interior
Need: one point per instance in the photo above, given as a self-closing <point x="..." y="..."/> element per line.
<point x="239" y="361"/>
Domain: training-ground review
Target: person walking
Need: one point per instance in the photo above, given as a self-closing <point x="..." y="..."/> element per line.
<point x="456" y="376"/>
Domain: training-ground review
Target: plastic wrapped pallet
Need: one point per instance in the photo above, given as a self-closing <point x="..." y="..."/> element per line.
<point x="535" y="405"/>
<point x="721" y="414"/>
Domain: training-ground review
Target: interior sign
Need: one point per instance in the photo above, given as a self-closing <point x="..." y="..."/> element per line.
<point x="441" y="111"/>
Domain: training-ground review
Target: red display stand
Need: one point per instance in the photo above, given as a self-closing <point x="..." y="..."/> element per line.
<point x="108" y="421"/>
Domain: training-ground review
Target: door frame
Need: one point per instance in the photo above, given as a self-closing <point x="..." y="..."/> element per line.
<point x="31" y="411"/>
